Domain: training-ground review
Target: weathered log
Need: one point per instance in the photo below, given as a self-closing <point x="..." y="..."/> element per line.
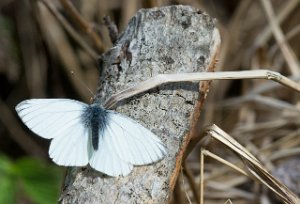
<point x="171" y="39"/>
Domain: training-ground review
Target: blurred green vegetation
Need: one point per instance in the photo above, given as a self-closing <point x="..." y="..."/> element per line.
<point x="29" y="179"/>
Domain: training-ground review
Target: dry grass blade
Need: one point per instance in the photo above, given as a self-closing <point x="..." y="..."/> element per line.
<point x="201" y="177"/>
<point x="190" y="77"/>
<point x="262" y="100"/>
<point x="56" y="37"/>
<point x="287" y="52"/>
<point x="284" y="12"/>
<point x="71" y="31"/>
<point x="83" y="24"/>
<point x="286" y="153"/>
<point x="189" y="175"/>
<point x="228" y="202"/>
<point x="221" y="186"/>
<point x="231" y="165"/>
<point x="183" y="185"/>
<point x="289" y="36"/>
<point x="230" y="191"/>
<point x="254" y="166"/>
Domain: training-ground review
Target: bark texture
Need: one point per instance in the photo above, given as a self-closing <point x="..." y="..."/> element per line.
<point x="171" y="39"/>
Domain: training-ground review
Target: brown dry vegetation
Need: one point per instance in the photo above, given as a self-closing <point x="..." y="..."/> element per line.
<point x="42" y="40"/>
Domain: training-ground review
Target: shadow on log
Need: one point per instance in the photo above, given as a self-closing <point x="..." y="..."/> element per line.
<point x="171" y="39"/>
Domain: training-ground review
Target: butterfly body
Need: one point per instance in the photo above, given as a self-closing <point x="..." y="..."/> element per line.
<point x="95" y="118"/>
<point x="89" y="134"/>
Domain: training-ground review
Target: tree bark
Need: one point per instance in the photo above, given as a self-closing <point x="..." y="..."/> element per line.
<point x="171" y="39"/>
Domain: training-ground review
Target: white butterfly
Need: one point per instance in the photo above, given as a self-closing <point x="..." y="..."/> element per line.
<point x="88" y="134"/>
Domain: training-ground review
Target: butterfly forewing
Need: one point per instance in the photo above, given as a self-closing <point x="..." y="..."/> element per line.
<point x="46" y="116"/>
<point x="61" y="120"/>
<point x="132" y="142"/>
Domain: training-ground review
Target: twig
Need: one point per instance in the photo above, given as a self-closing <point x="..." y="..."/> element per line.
<point x="289" y="35"/>
<point x="230" y="192"/>
<point x="284" y="141"/>
<point x="284" y="12"/>
<point x="83" y="24"/>
<point x="183" y="185"/>
<point x="286" y="50"/>
<point x="254" y="167"/>
<point x="263" y="100"/>
<point x="34" y="61"/>
<point x="201" y="176"/>
<point x="71" y="31"/>
<point x="286" y="153"/>
<point x="112" y="28"/>
<point x="57" y="38"/>
<point x="191" y="181"/>
<point x="269" y="86"/>
<point x="217" y="158"/>
<point x="177" y="193"/>
<point x="190" y="77"/>
<point x="229" y="45"/>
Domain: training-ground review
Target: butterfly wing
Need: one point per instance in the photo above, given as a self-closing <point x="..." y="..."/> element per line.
<point x="132" y="142"/>
<point x="125" y="143"/>
<point x="60" y="120"/>
<point x="106" y="160"/>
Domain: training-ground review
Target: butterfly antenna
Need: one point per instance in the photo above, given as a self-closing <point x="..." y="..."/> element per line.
<point x="82" y="83"/>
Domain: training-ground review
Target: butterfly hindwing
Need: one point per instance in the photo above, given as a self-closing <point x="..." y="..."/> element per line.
<point x="71" y="149"/>
<point x="106" y="160"/>
<point x="132" y="142"/>
<point x="125" y="143"/>
<point x="61" y="120"/>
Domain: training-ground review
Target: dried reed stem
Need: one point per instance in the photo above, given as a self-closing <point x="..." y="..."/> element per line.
<point x="190" y="77"/>
<point x="83" y="24"/>
<point x="70" y="30"/>
<point x="286" y="50"/>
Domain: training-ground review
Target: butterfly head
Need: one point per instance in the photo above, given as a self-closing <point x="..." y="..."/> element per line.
<point x="96" y="101"/>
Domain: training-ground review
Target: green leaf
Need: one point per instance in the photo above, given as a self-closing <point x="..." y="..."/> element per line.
<point x="7" y="181"/>
<point x="39" y="181"/>
<point x="7" y="189"/>
<point x="6" y="166"/>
